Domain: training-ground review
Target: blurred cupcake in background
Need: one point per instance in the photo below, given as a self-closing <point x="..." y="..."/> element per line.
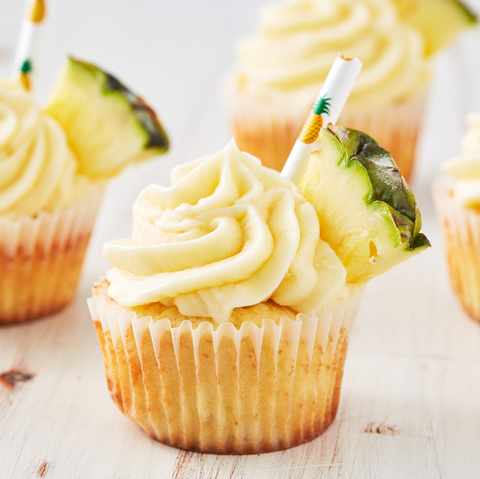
<point x="54" y="165"/>
<point x="281" y="69"/>
<point x="457" y="201"/>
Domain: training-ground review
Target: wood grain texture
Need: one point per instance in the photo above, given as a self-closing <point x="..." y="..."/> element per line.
<point x="413" y="365"/>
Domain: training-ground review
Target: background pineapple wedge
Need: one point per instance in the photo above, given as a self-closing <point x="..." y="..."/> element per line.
<point x="440" y="21"/>
<point x="107" y="126"/>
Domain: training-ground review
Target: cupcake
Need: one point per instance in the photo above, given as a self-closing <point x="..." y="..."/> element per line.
<point x="54" y="164"/>
<point x="281" y="69"/>
<point x="457" y="201"/>
<point x="225" y="321"/>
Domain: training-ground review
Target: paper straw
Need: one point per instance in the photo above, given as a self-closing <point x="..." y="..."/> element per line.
<point x="23" y="65"/>
<point x="327" y="109"/>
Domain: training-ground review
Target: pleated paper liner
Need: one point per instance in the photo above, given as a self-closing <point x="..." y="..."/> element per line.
<point x="268" y="131"/>
<point x="461" y="233"/>
<point x="41" y="259"/>
<point x="223" y="390"/>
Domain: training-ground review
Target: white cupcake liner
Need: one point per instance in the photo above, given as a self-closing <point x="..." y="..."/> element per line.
<point x="251" y="390"/>
<point x="268" y="130"/>
<point x="41" y="259"/>
<point x="461" y="233"/>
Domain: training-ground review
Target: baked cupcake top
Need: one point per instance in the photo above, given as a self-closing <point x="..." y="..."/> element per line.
<point x="37" y="168"/>
<point x="466" y="168"/>
<point x="296" y="42"/>
<point x="229" y="233"/>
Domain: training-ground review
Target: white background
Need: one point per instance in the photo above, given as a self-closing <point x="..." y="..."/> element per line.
<point x="414" y="358"/>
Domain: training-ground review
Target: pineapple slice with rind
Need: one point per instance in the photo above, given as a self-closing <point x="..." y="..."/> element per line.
<point x="367" y="212"/>
<point x="107" y="126"/>
<point x="440" y="21"/>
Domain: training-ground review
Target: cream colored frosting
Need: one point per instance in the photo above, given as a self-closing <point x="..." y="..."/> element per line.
<point x="297" y="41"/>
<point x="37" y="169"/>
<point x="466" y="168"/>
<point x="229" y="233"/>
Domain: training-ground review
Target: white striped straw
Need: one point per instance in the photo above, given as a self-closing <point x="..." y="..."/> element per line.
<point x="327" y="109"/>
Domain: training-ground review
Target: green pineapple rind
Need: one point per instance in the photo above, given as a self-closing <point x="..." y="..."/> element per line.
<point x="388" y="185"/>
<point x="469" y="13"/>
<point x="367" y="213"/>
<point x="156" y="137"/>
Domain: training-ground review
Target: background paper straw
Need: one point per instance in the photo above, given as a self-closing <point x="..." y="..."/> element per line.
<point x="24" y="65"/>
<point x="327" y="109"/>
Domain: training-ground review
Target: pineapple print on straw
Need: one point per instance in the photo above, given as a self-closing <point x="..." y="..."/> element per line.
<point x="327" y="109"/>
<point x="25" y="71"/>
<point x="28" y="40"/>
<point x="314" y="122"/>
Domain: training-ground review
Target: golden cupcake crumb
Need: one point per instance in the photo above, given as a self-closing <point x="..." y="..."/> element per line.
<point x="256" y="313"/>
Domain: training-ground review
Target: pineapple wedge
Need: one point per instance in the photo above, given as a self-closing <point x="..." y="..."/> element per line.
<point x="367" y="212"/>
<point x="440" y="21"/>
<point x="107" y="126"/>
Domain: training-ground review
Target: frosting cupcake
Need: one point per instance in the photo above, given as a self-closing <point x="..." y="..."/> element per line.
<point x="281" y="69"/>
<point x="52" y="176"/>
<point x="225" y="321"/>
<point x="457" y="200"/>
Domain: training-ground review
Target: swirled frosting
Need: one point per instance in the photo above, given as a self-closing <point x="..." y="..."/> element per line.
<point x="229" y="233"/>
<point x="37" y="169"/>
<point x="466" y="168"/>
<point x="297" y="41"/>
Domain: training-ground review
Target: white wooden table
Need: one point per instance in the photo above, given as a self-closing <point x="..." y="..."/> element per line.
<point x="410" y="405"/>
